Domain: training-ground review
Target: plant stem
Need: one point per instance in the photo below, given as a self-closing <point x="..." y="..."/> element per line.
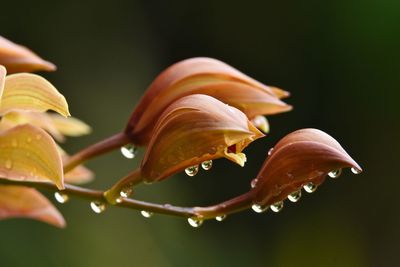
<point x="129" y="181"/>
<point x="96" y="149"/>
<point x="96" y="195"/>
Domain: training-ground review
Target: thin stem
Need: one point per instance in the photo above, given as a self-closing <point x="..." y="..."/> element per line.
<point x="96" y="195"/>
<point x="96" y="149"/>
<point x="129" y="181"/>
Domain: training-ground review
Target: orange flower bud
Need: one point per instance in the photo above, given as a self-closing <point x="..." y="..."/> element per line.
<point x="17" y="58"/>
<point x="202" y="76"/>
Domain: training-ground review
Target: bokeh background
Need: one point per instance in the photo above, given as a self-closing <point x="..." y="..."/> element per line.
<point x="339" y="59"/>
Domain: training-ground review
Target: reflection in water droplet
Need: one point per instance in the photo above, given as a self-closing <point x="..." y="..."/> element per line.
<point x="295" y="196"/>
<point x="277" y="207"/>
<point x="8" y="164"/>
<point x="61" y="197"/>
<point x="195" y="222"/>
<point x="206" y="165"/>
<point x="146" y="214"/>
<point x="310" y="187"/>
<point x="220" y="218"/>
<point x="126" y="191"/>
<point x="253" y="182"/>
<point x="258" y="208"/>
<point x="192" y="170"/>
<point x="98" y="206"/>
<point x="129" y="151"/>
<point x="356" y="170"/>
<point x="270" y="151"/>
<point x="335" y="173"/>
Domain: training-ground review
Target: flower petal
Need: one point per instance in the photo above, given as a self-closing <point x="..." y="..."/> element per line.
<point x="69" y="126"/>
<point x="31" y="92"/>
<point x="24" y="202"/>
<point x="28" y="153"/>
<point x="201" y="76"/>
<point x="3" y="73"/>
<point x="193" y="129"/>
<point x="78" y="175"/>
<point x="302" y="157"/>
<point x="17" y="58"/>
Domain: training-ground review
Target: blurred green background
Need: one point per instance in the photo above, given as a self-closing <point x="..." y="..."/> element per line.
<point x="340" y="61"/>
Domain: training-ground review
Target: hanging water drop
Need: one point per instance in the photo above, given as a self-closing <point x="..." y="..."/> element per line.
<point x="220" y="218"/>
<point x="98" y="206"/>
<point x="270" y="151"/>
<point x="146" y="214"/>
<point x="253" y="182"/>
<point x="258" y="208"/>
<point x="277" y="207"/>
<point x="206" y="165"/>
<point x="195" y="222"/>
<point x="129" y="151"/>
<point x="61" y="197"/>
<point x="8" y="164"/>
<point x="355" y="170"/>
<point x="295" y="196"/>
<point x="310" y="187"/>
<point x="192" y="170"/>
<point x="126" y="191"/>
<point x="335" y="173"/>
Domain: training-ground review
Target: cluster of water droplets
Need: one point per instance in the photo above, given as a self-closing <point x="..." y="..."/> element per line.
<point x="193" y="170"/>
<point x="129" y="151"/>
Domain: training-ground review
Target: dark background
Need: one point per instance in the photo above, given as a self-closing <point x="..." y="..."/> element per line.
<point x="340" y="61"/>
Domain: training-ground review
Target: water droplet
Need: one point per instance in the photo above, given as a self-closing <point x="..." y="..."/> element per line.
<point x="195" y="222"/>
<point x="146" y="214"/>
<point x="258" y="208"/>
<point x="295" y="196"/>
<point x="8" y="164"/>
<point x="253" y="183"/>
<point x="119" y="199"/>
<point x="310" y="187"/>
<point x="28" y="140"/>
<point x="356" y="170"/>
<point x="335" y="173"/>
<point x="14" y="143"/>
<point x="129" y="151"/>
<point x="220" y="218"/>
<point x="192" y="170"/>
<point x="61" y="197"/>
<point x="206" y="165"/>
<point x="38" y="137"/>
<point x="277" y="207"/>
<point x="126" y="191"/>
<point x="270" y="151"/>
<point x="98" y="206"/>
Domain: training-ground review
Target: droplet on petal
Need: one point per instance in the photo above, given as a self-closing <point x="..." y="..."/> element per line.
<point x="146" y="214"/>
<point x="192" y="170"/>
<point x="258" y="208"/>
<point x="129" y="151"/>
<point x="295" y="196"/>
<point x="335" y="173"/>
<point x="356" y="170"/>
<point x="277" y="207"/>
<point x="310" y="187"/>
<point x="195" y="222"/>
<point x="253" y="182"/>
<point x="8" y="164"/>
<point x="206" y="165"/>
<point x="220" y="218"/>
<point x="61" y="197"/>
<point x="98" y="206"/>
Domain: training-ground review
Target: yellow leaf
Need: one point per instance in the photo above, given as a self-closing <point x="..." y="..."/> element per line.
<point x="24" y="202"/>
<point x="25" y="91"/>
<point x="29" y="154"/>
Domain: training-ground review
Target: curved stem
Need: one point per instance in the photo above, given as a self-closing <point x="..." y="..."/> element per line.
<point x="127" y="182"/>
<point x="96" y="149"/>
